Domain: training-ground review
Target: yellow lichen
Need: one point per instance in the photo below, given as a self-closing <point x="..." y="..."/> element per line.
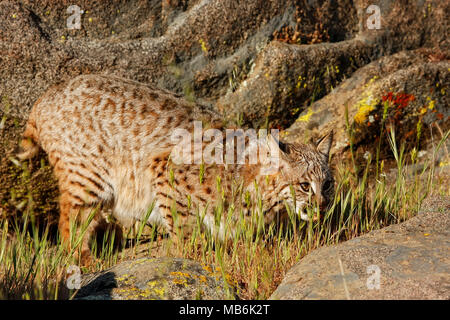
<point x="180" y="277"/>
<point x="139" y="261"/>
<point x="126" y="279"/>
<point x="180" y="274"/>
<point x="207" y="268"/>
<point x="157" y="288"/>
<point x="305" y="118"/>
<point x="364" y="107"/>
<point x="203" y="45"/>
<point x="444" y="163"/>
<point x="159" y="292"/>
<point x="299" y="82"/>
<point x="203" y="279"/>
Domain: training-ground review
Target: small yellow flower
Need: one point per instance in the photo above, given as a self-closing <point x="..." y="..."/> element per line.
<point x="14" y="15"/>
<point x="203" y="45"/>
<point x="364" y="107"/>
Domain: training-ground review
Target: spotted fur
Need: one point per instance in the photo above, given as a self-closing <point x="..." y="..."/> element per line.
<point x="108" y="140"/>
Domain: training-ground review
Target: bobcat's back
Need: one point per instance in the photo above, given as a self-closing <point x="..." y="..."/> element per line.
<point x="102" y="136"/>
<point x="109" y="141"/>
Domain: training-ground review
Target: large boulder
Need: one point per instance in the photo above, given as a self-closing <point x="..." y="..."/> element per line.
<point x="285" y="79"/>
<point x="414" y="86"/>
<point x="410" y="260"/>
<point x="257" y="62"/>
<point x="156" y="279"/>
<point x="207" y="48"/>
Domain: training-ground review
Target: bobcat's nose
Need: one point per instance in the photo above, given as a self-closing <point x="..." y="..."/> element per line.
<point x="321" y="214"/>
<point x="322" y="203"/>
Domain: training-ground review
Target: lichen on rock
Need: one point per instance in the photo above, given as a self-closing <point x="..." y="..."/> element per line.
<point x="156" y="279"/>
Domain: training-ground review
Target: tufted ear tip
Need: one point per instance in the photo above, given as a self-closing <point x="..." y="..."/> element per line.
<point x="324" y="144"/>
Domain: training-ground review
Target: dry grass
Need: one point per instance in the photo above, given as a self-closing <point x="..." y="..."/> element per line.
<point x="34" y="267"/>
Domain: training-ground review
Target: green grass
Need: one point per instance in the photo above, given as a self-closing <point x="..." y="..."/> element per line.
<point x="255" y="261"/>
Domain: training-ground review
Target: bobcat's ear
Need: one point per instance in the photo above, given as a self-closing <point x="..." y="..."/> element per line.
<point x="272" y="143"/>
<point x="324" y="144"/>
<point x="275" y="144"/>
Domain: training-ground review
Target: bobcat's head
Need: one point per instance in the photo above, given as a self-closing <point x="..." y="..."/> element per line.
<point x="304" y="177"/>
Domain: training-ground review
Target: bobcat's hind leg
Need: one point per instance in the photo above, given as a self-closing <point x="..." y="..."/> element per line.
<point x="73" y="220"/>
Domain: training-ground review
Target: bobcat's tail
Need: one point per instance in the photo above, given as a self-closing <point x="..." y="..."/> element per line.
<point x="29" y="144"/>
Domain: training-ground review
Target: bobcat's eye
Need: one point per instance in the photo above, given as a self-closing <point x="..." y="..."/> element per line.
<point x="305" y="186"/>
<point x="327" y="185"/>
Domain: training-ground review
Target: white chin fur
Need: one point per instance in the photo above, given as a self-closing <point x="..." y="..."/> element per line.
<point x="304" y="216"/>
<point x="299" y="208"/>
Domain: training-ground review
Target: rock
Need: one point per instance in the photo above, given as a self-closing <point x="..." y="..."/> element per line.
<point x="255" y="61"/>
<point x="412" y="260"/>
<point x="415" y="87"/>
<point x="186" y="46"/>
<point x="287" y="77"/>
<point x="207" y="48"/>
<point x="155" y="279"/>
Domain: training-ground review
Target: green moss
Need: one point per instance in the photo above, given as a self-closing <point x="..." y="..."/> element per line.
<point x="26" y="185"/>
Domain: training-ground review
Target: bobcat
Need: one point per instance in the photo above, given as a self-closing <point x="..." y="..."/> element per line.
<point x="108" y="140"/>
